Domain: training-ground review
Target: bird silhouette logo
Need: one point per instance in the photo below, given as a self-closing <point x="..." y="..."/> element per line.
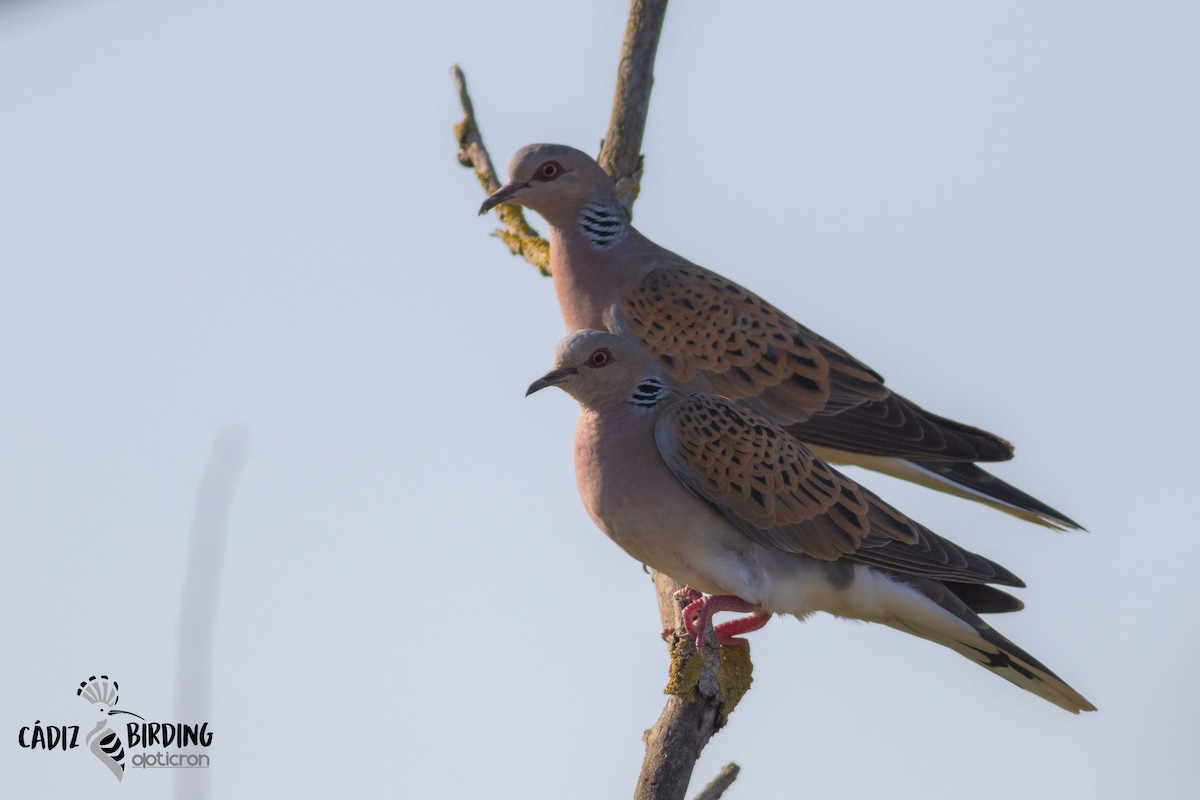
<point x="103" y="740"/>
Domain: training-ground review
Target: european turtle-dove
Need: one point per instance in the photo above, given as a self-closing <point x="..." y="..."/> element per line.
<point x="726" y="501"/>
<point x="710" y="334"/>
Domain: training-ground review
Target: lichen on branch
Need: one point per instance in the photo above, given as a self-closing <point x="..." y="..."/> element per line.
<point x="520" y="237"/>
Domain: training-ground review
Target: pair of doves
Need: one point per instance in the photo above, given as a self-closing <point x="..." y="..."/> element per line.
<point x="708" y="422"/>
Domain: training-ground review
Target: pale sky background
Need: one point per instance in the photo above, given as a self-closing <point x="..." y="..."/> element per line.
<point x="250" y="213"/>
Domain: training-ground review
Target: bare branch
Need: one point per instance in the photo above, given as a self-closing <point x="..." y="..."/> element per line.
<point x="520" y="237"/>
<point x="621" y="153"/>
<point x="704" y="688"/>
<point x="717" y="786"/>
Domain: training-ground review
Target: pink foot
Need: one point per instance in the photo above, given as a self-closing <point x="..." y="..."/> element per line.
<point x="699" y="612"/>
<point x="686" y="593"/>
<point x="726" y="631"/>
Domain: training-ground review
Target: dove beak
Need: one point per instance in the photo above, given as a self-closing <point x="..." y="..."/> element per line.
<point x="502" y="195"/>
<point x="551" y="378"/>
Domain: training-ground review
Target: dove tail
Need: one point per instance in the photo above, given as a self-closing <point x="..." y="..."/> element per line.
<point x="961" y="479"/>
<point x="948" y="621"/>
<point x="974" y="482"/>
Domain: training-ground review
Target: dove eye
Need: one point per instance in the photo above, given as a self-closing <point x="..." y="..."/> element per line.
<point x="599" y="358"/>
<point x="548" y="171"/>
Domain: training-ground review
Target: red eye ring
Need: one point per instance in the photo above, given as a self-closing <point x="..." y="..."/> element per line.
<point x="599" y="358"/>
<point x="548" y="171"/>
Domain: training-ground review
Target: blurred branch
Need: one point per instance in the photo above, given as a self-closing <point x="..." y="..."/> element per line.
<point x="520" y="237"/>
<point x="197" y="616"/>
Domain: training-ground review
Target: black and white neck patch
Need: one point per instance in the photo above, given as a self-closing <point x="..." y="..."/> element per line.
<point x="602" y="225"/>
<point x="648" y="393"/>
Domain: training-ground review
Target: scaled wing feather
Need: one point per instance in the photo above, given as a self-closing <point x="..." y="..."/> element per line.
<point x="777" y="492"/>
<point x="707" y="331"/>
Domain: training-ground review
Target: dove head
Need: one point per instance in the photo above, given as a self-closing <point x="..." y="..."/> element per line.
<point x="599" y="369"/>
<point x="554" y="180"/>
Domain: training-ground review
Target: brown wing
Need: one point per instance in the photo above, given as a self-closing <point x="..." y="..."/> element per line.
<point x="695" y="321"/>
<point x="708" y="332"/>
<point x="778" y="493"/>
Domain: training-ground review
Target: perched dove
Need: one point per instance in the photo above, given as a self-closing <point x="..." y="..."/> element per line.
<point x="727" y="502"/>
<point x="710" y="334"/>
